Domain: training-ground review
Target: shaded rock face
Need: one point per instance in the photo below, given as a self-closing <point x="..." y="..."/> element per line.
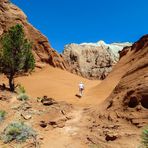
<point x="129" y="100"/>
<point x="132" y="90"/>
<point x="124" y="52"/>
<point x="43" y="52"/>
<point x="141" y="44"/>
<point x="123" y="115"/>
<point x="130" y="97"/>
<point x="93" y="60"/>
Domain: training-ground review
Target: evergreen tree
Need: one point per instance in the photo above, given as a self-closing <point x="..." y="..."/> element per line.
<point x="15" y="56"/>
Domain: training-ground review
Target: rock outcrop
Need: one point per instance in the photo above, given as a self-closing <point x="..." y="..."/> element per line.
<point x="125" y="112"/>
<point x="131" y="94"/>
<point x="43" y="52"/>
<point x="93" y="60"/>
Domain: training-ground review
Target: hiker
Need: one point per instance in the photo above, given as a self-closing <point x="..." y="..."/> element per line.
<point x="81" y="88"/>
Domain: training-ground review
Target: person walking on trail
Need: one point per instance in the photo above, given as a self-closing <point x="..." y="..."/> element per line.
<point x="81" y="88"/>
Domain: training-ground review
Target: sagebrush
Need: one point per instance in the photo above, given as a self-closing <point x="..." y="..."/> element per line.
<point x="22" y="97"/>
<point x="17" y="131"/>
<point x="20" y="89"/>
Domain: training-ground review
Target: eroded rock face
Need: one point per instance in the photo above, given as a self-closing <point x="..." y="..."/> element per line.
<point x="133" y="87"/>
<point x="127" y="106"/>
<point x="93" y="60"/>
<point x="43" y="52"/>
<point x="130" y="96"/>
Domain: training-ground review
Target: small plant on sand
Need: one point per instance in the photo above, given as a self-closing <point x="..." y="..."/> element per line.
<point x="2" y="115"/>
<point x="39" y="99"/>
<point x="17" y="131"/>
<point x="20" y="89"/>
<point x="144" y="137"/>
<point x="23" y="97"/>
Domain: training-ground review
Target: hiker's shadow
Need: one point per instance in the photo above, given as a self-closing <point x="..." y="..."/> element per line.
<point x="78" y="96"/>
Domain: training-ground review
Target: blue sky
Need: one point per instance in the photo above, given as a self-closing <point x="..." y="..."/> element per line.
<point x="77" y="21"/>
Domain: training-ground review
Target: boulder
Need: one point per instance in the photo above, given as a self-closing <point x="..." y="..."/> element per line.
<point x="47" y="101"/>
<point x="60" y="123"/>
<point x="43" y="124"/>
<point x="26" y="115"/>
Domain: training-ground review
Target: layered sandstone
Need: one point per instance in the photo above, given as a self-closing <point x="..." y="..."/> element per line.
<point x="93" y="60"/>
<point x="132" y="90"/>
<point x="124" y="114"/>
<point x="43" y="52"/>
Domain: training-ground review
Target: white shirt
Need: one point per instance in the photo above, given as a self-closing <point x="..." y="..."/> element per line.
<point x="81" y="85"/>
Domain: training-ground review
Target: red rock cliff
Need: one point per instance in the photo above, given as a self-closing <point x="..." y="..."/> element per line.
<point x="43" y="52"/>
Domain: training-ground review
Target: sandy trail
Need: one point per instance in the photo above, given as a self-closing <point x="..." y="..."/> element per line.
<point x="56" y="83"/>
<point x="66" y="137"/>
<point x="63" y="86"/>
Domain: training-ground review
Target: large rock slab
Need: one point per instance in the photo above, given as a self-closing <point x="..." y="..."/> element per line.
<point x="93" y="60"/>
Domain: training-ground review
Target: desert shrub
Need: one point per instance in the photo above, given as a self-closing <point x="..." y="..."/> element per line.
<point x="2" y="115"/>
<point x="22" y="97"/>
<point x="145" y="138"/>
<point x="17" y="131"/>
<point x="21" y="89"/>
<point x="39" y="99"/>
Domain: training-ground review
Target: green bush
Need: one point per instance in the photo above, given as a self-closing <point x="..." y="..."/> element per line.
<point x="17" y="131"/>
<point x="22" y="97"/>
<point x="16" y="54"/>
<point x="2" y="115"/>
<point x="20" y="89"/>
<point x="145" y="138"/>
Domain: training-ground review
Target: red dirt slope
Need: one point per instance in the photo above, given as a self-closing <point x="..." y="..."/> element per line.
<point x="121" y="117"/>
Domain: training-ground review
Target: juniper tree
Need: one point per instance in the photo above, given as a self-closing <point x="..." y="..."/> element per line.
<point x="16" y="56"/>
